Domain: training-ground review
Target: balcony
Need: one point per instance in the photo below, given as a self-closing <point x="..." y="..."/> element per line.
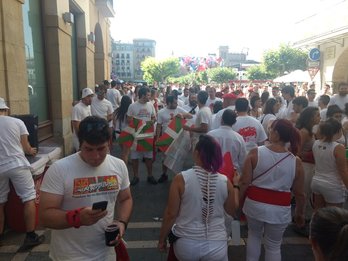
<point x="105" y="7"/>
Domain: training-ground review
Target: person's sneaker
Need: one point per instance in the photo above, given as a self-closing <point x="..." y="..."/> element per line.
<point x="163" y="178"/>
<point x="151" y="180"/>
<point x="29" y="243"/>
<point x="134" y="181"/>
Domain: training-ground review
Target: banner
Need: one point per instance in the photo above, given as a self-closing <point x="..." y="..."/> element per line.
<point x="138" y="135"/>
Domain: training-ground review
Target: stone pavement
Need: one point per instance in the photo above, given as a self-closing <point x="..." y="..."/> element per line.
<point x="143" y="230"/>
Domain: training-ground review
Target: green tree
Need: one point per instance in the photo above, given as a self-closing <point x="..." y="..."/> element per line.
<point x="221" y="75"/>
<point x="258" y="72"/>
<point x="159" y="71"/>
<point x="284" y="59"/>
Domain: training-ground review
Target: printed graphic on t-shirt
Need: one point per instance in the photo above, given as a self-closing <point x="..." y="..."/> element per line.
<point x="248" y="133"/>
<point x="95" y="185"/>
<point x="143" y="113"/>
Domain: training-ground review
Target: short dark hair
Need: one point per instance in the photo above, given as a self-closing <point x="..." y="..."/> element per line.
<point x="301" y="100"/>
<point x="242" y="105"/>
<point x="170" y="99"/>
<point x="253" y="100"/>
<point x="202" y="97"/>
<point x="325" y="99"/>
<point x="288" y="89"/>
<point x="228" y="118"/>
<point x="143" y="91"/>
<point x="113" y="83"/>
<point x="332" y="109"/>
<point x="94" y="130"/>
<point x="106" y="82"/>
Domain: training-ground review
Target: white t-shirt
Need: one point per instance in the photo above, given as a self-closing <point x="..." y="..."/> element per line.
<point x="265" y="120"/>
<point x="210" y="102"/>
<point x="204" y="115"/>
<point x="141" y="111"/>
<point x="82" y="185"/>
<point x="312" y="103"/>
<point x="114" y="96"/>
<point x="185" y="99"/>
<point x="165" y="115"/>
<point x="180" y="103"/>
<point x="286" y="113"/>
<point x="231" y="141"/>
<point x="251" y="130"/>
<point x="101" y="108"/>
<point x="12" y="154"/>
<point x="216" y="122"/>
<point x="323" y="114"/>
<point x="79" y="112"/>
<point x="339" y="100"/>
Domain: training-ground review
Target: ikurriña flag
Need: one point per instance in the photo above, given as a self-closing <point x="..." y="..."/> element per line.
<point x="138" y="135"/>
<point x="171" y="133"/>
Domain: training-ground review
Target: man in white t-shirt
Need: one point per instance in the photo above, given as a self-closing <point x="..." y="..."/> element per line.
<point x="322" y="103"/>
<point x="113" y="95"/>
<point x="101" y="107"/>
<point x="341" y="98"/>
<point x="164" y="116"/>
<point x="185" y="96"/>
<point x="79" y="112"/>
<point x="212" y="98"/>
<point x="73" y="184"/>
<point x="229" y="100"/>
<point x="15" y="167"/>
<point x="203" y="118"/>
<point x="229" y="140"/>
<point x="142" y="109"/>
<point x="311" y="93"/>
<point x="288" y="93"/>
<point x="250" y="128"/>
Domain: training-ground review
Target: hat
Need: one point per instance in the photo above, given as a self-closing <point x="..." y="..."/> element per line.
<point x="230" y="95"/>
<point x="3" y="104"/>
<point x="86" y="92"/>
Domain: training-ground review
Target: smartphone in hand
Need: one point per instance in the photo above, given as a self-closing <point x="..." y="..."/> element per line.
<point x="100" y="205"/>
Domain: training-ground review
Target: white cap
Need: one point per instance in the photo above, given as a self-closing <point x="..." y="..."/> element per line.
<point x="3" y="104"/>
<point x="86" y="92"/>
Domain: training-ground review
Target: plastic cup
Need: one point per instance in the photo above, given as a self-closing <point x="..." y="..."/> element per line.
<point x="111" y="232"/>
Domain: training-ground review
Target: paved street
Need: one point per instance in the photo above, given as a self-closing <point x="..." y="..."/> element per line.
<point x="143" y="230"/>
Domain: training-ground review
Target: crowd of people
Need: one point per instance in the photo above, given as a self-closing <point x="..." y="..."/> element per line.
<point x="253" y="152"/>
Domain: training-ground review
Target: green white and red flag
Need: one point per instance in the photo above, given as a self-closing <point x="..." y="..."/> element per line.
<point x="138" y="135"/>
<point x="171" y="133"/>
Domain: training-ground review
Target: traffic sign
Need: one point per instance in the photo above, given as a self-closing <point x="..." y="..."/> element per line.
<point x="312" y="72"/>
<point x="314" y="54"/>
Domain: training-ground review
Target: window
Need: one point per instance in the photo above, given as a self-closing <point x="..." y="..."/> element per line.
<point x="35" y="58"/>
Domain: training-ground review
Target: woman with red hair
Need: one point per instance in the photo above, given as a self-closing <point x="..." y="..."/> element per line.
<point x="195" y="213"/>
<point x="269" y="173"/>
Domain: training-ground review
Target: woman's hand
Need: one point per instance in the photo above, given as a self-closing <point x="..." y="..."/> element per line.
<point x="162" y="246"/>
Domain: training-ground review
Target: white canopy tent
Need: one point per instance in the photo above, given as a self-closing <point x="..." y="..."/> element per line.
<point x="295" y="76"/>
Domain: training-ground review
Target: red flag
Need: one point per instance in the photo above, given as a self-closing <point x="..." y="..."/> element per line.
<point x="227" y="167"/>
<point x="121" y="252"/>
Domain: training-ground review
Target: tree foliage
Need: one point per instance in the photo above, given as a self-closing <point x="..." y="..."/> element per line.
<point x="159" y="70"/>
<point x="258" y="72"/>
<point x="284" y="59"/>
<point x="221" y="75"/>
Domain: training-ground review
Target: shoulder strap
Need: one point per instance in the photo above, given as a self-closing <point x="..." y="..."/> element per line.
<point x="275" y="164"/>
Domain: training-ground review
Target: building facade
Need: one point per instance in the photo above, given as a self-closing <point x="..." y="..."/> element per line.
<point x="142" y="48"/>
<point x="122" y="61"/>
<point x="326" y="28"/>
<point x="49" y="51"/>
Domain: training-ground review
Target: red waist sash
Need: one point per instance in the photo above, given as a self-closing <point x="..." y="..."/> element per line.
<point x="268" y="196"/>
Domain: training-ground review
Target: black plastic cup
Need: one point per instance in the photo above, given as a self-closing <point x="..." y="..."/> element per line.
<point x="111" y="232"/>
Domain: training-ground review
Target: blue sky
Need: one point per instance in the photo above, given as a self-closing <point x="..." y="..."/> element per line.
<point x="196" y="27"/>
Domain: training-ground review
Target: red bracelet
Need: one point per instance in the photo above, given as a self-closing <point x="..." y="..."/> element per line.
<point x="73" y="217"/>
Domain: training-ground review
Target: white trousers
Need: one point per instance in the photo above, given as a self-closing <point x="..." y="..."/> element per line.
<point x="272" y="239"/>
<point x="200" y="250"/>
